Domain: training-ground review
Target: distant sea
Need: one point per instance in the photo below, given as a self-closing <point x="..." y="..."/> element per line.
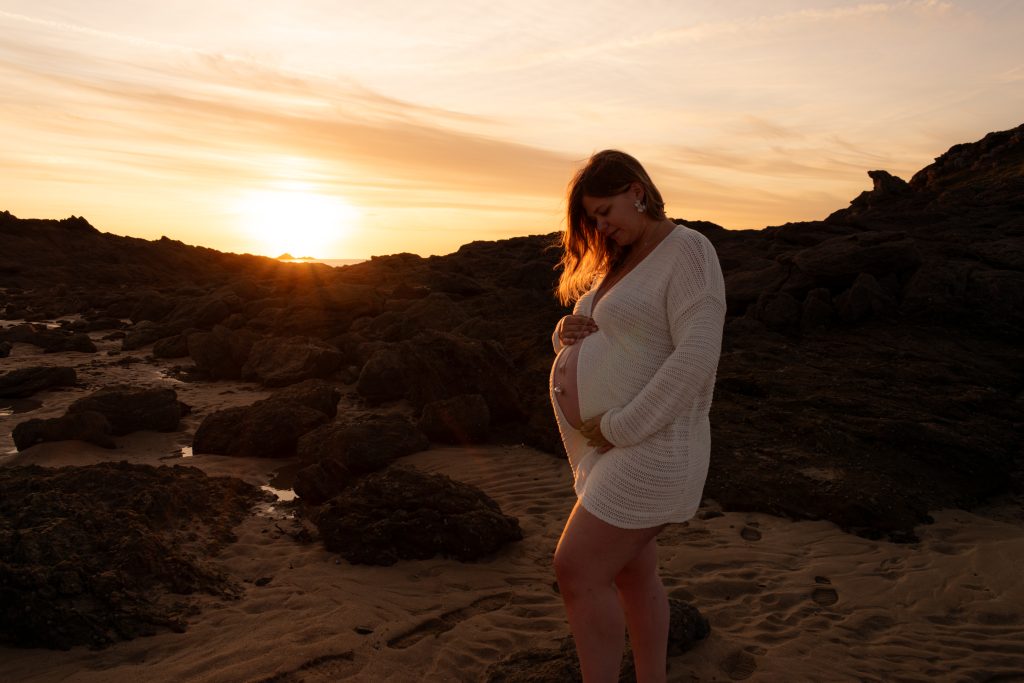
<point x="333" y="262"/>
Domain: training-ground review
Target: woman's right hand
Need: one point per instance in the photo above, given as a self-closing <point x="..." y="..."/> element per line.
<point x="572" y="328"/>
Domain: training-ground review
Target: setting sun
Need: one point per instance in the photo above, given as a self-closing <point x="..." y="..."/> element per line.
<point x="300" y="223"/>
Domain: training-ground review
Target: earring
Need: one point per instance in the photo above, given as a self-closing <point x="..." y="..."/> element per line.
<point x="640" y="206"/>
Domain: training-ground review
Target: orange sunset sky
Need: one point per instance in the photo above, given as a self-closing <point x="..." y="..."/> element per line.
<point x="344" y="129"/>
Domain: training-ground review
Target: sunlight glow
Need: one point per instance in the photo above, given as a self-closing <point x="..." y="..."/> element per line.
<point x="298" y="222"/>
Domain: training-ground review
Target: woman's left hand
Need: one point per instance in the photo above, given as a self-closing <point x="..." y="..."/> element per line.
<point x="592" y="430"/>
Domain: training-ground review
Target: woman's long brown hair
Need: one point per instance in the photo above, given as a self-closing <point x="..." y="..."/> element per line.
<point x="586" y="253"/>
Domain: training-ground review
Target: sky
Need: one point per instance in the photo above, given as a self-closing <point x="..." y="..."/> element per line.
<point x="344" y="129"/>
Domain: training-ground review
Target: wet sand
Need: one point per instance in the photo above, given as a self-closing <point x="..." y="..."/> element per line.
<point x="787" y="601"/>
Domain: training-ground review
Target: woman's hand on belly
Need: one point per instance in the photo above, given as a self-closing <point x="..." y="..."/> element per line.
<point x="572" y="328"/>
<point x="592" y="430"/>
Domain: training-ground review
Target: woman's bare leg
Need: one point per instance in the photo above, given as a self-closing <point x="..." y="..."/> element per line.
<point x="646" y="607"/>
<point x="590" y="555"/>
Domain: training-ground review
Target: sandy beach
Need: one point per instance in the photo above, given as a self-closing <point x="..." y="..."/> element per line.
<point x="787" y="600"/>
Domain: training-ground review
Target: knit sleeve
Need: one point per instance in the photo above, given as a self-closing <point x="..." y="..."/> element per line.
<point x="696" y="304"/>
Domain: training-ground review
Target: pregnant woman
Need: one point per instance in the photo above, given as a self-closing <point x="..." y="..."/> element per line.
<point x="631" y="389"/>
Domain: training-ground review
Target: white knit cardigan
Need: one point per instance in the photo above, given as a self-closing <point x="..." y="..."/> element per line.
<point x="650" y="370"/>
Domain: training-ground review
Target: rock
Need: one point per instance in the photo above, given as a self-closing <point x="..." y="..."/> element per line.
<point x="259" y="431"/>
<point x="403" y="514"/>
<point x="312" y="393"/>
<point x="220" y="353"/>
<point x="864" y="299"/>
<point x="93" y="555"/>
<point x="321" y="481"/>
<point x="270" y="428"/>
<point x="142" y="334"/>
<point x="5" y="349"/>
<point x="778" y="311"/>
<point x="461" y="419"/>
<point x="130" y="409"/>
<point x="50" y="340"/>
<point x="817" y="310"/>
<point x="435" y="365"/>
<point x="89" y="426"/>
<point x="278" y="362"/>
<point x="365" y="445"/>
<point x="24" y="382"/>
<point x="173" y="347"/>
<point x="838" y="261"/>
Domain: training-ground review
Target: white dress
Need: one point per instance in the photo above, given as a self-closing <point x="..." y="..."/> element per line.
<point x="650" y="369"/>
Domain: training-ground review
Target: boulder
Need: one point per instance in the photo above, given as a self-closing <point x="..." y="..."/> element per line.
<point x="434" y="366"/>
<point x="839" y="260"/>
<point x="130" y="409"/>
<point x="270" y="428"/>
<point x="317" y="483"/>
<point x="89" y="426"/>
<point x="817" y="310"/>
<point x="221" y="352"/>
<point x="49" y="340"/>
<point x="5" y="349"/>
<point x="461" y="419"/>
<point x="363" y="445"/>
<point x="27" y="381"/>
<point x="142" y="334"/>
<point x="277" y="362"/>
<point x="403" y="514"/>
<point x="96" y="554"/>
<point x="173" y="347"/>
<point x="864" y="299"/>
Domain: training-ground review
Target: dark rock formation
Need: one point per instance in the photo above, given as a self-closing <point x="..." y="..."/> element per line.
<point x="89" y="426"/>
<point x="363" y="445"/>
<point x="403" y="514"/>
<point x="461" y="419"/>
<point x="872" y="368"/>
<point x="27" y="381"/>
<point x="131" y="409"/>
<point x="220" y="353"/>
<point x="278" y="362"/>
<point x="317" y="483"/>
<point x="270" y="428"/>
<point x="687" y="627"/>
<point x="49" y="340"/>
<point x="434" y="366"/>
<point x="93" y="555"/>
<point x="5" y="349"/>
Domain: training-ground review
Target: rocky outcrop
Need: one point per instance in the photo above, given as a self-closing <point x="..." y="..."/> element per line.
<point x="130" y="409"/>
<point x="24" y="382"/>
<point x="270" y="428"/>
<point x="49" y="340"/>
<point x="220" y="353"/>
<point x="461" y="419"/>
<point x="93" y="555"/>
<point x="403" y="514"/>
<point x="278" y="362"/>
<point x="89" y="426"/>
<point x="434" y="366"/>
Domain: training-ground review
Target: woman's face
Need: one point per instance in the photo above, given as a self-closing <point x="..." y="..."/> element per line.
<point x="616" y="217"/>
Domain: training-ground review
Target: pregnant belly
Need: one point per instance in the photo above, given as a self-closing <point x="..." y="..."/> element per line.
<point x="565" y="384"/>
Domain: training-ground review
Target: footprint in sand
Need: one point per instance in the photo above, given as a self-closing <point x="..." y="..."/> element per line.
<point x="739" y="665"/>
<point x="449" y="620"/>
<point x="750" y="534"/>
<point x="324" y="668"/>
<point x="822" y="595"/>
